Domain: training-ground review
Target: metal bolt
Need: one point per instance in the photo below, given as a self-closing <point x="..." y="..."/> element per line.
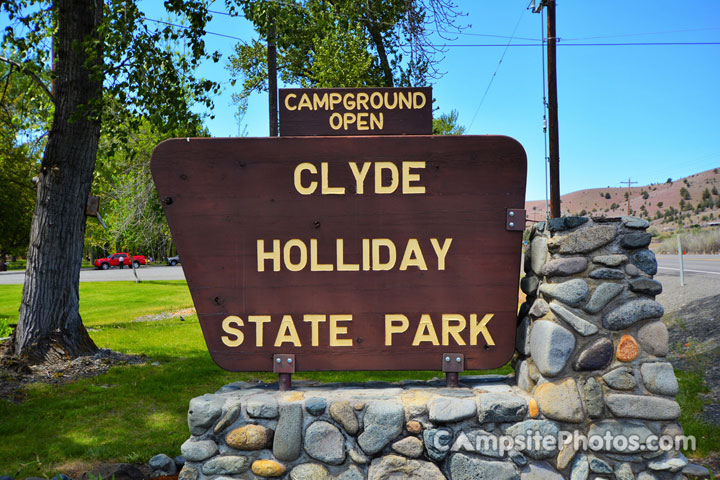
<point x="277" y="360"/>
<point x="512" y="214"/>
<point x="458" y="360"/>
<point x="289" y="360"/>
<point x="512" y="224"/>
<point x="447" y="359"/>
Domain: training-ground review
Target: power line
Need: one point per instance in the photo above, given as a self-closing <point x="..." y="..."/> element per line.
<point x="187" y="28"/>
<point x="624" y="44"/>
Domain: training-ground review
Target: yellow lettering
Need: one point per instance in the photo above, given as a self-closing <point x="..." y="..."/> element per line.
<point x="477" y="328"/>
<point x="326" y="188"/>
<point x="335" y="121"/>
<point x="362" y="123"/>
<point x="336" y="330"/>
<point x="315" y="326"/>
<point x="305" y="102"/>
<point x="376" y="121"/>
<point x="413" y="256"/>
<point x="349" y="101"/>
<point x="341" y="265"/>
<point x="348" y="119"/>
<point x="366" y="254"/>
<point x="360" y="176"/>
<point x="237" y="333"/>
<point x="421" y="96"/>
<point x="314" y="265"/>
<point x="405" y="102"/>
<point x="287" y="255"/>
<point x="320" y="101"/>
<point x="377" y="264"/>
<point x="425" y="331"/>
<point x="273" y="255"/>
<point x="392" y="327"/>
<point x="453" y="330"/>
<point x="301" y="189"/>
<point x="376" y="100"/>
<point x="287" y="332"/>
<point x="379" y="187"/>
<point x="335" y="98"/>
<point x="387" y="103"/>
<point x="362" y="99"/>
<point x="411" y="177"/>
<point x="259" y="320"/>
<point x="287" y="101"/>
<point x="441" y="252"/>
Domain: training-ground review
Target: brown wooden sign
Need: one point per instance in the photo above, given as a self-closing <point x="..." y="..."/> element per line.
<point x="355" y="111"/>
<point x="354" y="253"/>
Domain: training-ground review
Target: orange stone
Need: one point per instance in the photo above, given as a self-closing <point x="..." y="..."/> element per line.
<point x="533" y="408"/>
<point x="628" y="349"/>
<point x="359" y="405"/>
<point x="268" y="468"/>
<point x="413" y="426"/>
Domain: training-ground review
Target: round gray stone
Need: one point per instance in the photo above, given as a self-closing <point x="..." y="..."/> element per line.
<point x="610" y="260"/>
<point x="659" y="378"/>
<point x="522" y="374"/>
<point x="262" y="406"/>
<point x="598" y="465"/>
<point x="636" y="240"/>
<point x="564" y="267"/>
<point x="203" y="412"/>
<point x="602" y="295"/>
<point x="395" y="466"/>
<point x="632" y="312"/>
<point x="584" y="240"/>
<point x="344" y="414"/>
<point x="309" y="471"/>
<point x="646" y="286"/>
<point x="645" y="260"/>
<point x="538" y="254"/>
<point x="287" y="441"/>
<point x="358" y="456"/>
<point x="624" y="428"/>
<point x="580" y="468"/>
<point x="315" y="405"/>
<point x="607" y="274"/>
<point x="532" y="427"/>
<point x="437" y="442"/>
<point x="573" y="292"/>
<point x="539" y="308"/>
<point x="188" y="473"/>
<point x="632" y="270"/>
<point x="463" y="467"/>
<point x="198" y="451"/>
<point x="580" y="325"/>
<point x="228" y="418"/>
<point x="621" y="378"/>
<point x="383" y="421"/>
<point x="518" y="458"/>
<point x="501" y="407"/>
<point x="654" y="338"/>
<point x="164" y="463"/>
<point x="560" y="400"/>
<point x="449" y="409"/>
<point x="325" y="442"/>
<point x="539" y="472"/>
<point x="595" y="356"/>
<point x="352" y="473"/>
<point x="642" y="406"/>
<point x="226" y="465"/>
<point x="594" y="404"/>
<point x="634" y="222"/>
<point x="522" y="337"/>
<point x="529" y="284"/>
<point x="623" y="471"/>
<point x="550" y="346"/>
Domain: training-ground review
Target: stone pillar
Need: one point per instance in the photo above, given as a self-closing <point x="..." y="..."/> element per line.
<point x="592" y="347"/>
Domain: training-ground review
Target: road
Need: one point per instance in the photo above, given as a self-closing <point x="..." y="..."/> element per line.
<point x="154" y="272"/>
<point x="708" y="265"/>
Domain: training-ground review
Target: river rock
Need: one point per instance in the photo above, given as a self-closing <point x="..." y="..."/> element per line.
<point x="539" y="308"/>
<point x="654" y="338"/>
<point x="437" y="442"/>
<point x="529" y="284"/>
<point x="268" y="468"/>
<point x="598" y="465"/>
<point x="635" y="240"/>
<point x="288" y="433"/>
<point x="539" y="472"/>
<point x="383" y="422"/>
<point x="226" y="465"/>
<point x="409" y="446"/>
<point x="199" y="450"/>
<point x="634" y="222"/>
<point x="623" y="471"/>
<point x="249" y="437"/>
<point x="344" y="414"/>
<point x="627" y="349"/>
<point x="616" y="428"/>
<point x="203" y="412"/>
<point x="463" y="467"/>
<point x="595" y="356"/>
<point x="583" y="327"/>
<point x="309" y="471"/>
<point x="573" y="292"/>
<point x="449" y="409"/>
<point x="325" y="442"/>
<point x="522" y="337"/>
<point x="560" y="401"/>
<point x="632" y="312"/>
<point x="262" y="406"/>
<point x="642" y="406"/>
<point x="162" y="465"/>
<point x="607" y="274"/>
<point x="659" y="378"/>
<point x="228" y="418"/>
<point x="501" y="407"/>
<point x="564" y="267"/>
<point x="395" y="466"/>
<point x="580" y="468"/>
<point x="610" y="260"/>
<point x="602" y="295"/>
<point x="647" y="286"/>
<point x="584" y="240"/>
<point x="315" y="405"/>
<point x="551" y="346"/>
<point x="621" y="378"/>
<point x="645" y="260"/>
<point x="542" y="427"/>
<point x="538" y="254"/>
<point x="594" y="404"/>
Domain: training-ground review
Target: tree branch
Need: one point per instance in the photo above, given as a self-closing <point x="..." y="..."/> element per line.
<point x="32" y="75"/>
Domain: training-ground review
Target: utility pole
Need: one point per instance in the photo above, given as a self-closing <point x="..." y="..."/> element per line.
<point x="627" y="195"/>
<point x="552" y="105"/>
<point x="272" y="77"/>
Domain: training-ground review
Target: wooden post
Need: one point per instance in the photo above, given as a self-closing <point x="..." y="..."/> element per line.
<point x="272" y="78"/>
<point x="554" y="142"/>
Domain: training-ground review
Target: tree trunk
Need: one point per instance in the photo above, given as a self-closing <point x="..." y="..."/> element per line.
<point x="49" y="325"/>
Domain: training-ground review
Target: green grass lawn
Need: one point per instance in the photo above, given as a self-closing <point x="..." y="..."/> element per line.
<point x="132" y="412"/>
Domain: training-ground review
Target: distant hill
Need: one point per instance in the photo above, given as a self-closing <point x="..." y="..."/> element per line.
<point x="693" y="200"/>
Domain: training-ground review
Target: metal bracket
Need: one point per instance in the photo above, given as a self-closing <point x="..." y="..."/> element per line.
<point x="452" y="365"/>
<point x="515" y="219"/>
<point x="284" y="366"/>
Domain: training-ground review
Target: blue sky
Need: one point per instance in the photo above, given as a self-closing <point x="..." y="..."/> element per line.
<point x="641" y="112"/>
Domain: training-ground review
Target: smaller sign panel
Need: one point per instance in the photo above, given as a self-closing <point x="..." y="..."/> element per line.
<point x="355" y="111"/>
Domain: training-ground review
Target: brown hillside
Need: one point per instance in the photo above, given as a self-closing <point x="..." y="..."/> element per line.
<point x="660" y="197"/>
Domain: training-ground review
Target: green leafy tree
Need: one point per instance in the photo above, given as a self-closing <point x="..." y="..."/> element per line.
<point x="98" y="51"/>
<point x="447" y="124"/>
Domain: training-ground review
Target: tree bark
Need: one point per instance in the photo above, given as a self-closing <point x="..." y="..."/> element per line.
<point x="379" y="46"/>
<point x="49" y="326"/>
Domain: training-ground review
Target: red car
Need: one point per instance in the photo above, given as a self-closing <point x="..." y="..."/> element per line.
<point x="114" y="261"/>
